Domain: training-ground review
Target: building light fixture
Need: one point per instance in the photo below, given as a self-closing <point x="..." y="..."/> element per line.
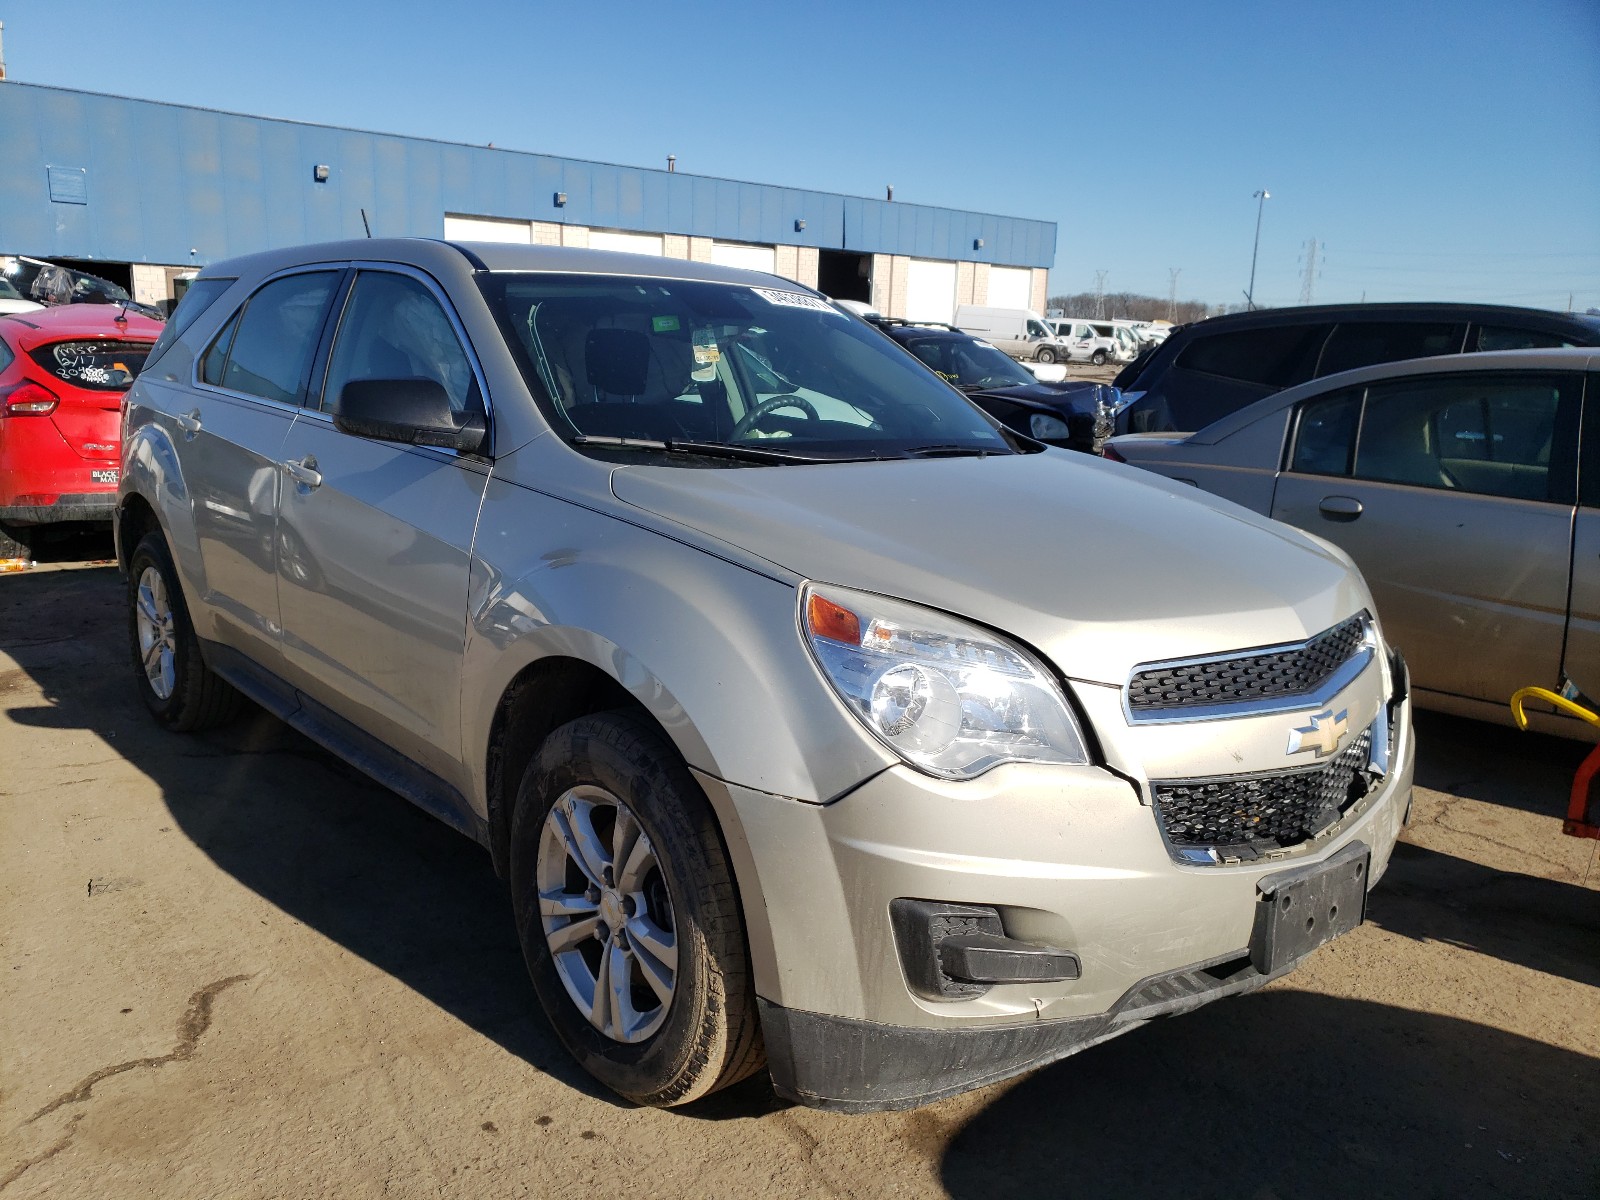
<point x="321" y="172"/>
<point x="561" y="200"/>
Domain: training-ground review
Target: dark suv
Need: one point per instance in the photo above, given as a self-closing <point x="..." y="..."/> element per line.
<point x="1073" y="414"/>
<point x="1205" y="371"/>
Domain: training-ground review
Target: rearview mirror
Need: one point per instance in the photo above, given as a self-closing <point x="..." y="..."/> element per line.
<point x="413" y="412"/>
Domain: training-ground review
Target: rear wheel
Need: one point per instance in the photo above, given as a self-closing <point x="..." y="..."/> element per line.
<point x="1046" y="354"/>
<point x="628" y="916"/>
<point x="173" y="681"/>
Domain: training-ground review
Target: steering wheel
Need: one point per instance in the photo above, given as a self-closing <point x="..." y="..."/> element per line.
<point x="771" y="404"/>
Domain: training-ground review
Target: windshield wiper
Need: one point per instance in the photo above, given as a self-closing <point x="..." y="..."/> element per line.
<point x="951" y="450"/>
<point x="758" y="454"/>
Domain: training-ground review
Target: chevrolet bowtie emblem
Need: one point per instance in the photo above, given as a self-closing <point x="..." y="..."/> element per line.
<point x="1322" y="736"/>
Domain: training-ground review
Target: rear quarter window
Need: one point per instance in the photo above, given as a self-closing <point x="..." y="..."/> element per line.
<point x="202" y="294"/>
<point x="1276" y="357"/>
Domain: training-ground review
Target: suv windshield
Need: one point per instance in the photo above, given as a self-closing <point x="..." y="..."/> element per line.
<point x="969" y="363"/>
<point x="770" y="374"/>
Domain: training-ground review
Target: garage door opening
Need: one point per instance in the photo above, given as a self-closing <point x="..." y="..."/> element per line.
<point x="845" y="276"/>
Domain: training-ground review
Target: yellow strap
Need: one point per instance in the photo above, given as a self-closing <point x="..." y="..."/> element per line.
<point x="1518" y="699"/>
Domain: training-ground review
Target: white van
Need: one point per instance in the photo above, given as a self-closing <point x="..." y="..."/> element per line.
<point x="1094" y="340"/>
<point x="1020" y="332"/>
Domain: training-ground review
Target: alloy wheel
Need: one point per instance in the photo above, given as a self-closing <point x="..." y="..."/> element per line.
<point x="157" y="640"/>
<point x="606" y="913"/>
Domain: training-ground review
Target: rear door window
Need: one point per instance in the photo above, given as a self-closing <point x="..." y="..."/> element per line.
<point x="1363" y="343"/>
<point x="277" y="336"/>
<point x="1513" y="435"/>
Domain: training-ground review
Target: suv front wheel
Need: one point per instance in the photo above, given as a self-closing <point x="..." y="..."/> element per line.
<point x="628" y="916"/>
<point x="1046" y="354"/>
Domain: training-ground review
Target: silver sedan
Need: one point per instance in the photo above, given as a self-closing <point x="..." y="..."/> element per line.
<point x="1459" y="486"/>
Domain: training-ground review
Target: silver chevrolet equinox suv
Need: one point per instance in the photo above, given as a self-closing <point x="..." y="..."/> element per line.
<point x="814" y="720"/>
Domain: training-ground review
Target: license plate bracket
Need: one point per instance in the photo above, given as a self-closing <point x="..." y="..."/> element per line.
<point x="1301" y="909"/>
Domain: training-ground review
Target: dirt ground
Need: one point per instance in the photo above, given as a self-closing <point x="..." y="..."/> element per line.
<point x="234" y="967"/>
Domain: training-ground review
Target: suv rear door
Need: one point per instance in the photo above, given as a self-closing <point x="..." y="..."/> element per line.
<point x="375" y="538"/>
<point x="230" y="430"/>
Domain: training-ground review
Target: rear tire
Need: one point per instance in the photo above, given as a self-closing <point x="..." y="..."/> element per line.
<point x="592" y="907"/>
<point x="173" y="680"/>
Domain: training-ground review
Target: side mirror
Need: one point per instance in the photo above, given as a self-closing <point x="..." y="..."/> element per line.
<point x="413" y="412"/>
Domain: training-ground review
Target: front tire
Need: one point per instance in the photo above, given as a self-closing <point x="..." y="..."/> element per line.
<point x="1098" y="358"/>
<point x="1046" y="354"/>
<point x="173" y="680"/>
<point x="628" y="915"/>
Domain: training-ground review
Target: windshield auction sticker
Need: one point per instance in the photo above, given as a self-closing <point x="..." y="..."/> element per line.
<point x="794" y="300"/>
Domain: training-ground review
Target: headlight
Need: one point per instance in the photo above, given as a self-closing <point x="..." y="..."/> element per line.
<point x="1044" y="426"/>
<point x="948" y="697"/>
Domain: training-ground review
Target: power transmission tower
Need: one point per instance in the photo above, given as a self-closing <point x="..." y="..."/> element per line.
<point x="1172" y="289"/>
<point x="1308" y="278"/>
<point x="1100" y="294"/>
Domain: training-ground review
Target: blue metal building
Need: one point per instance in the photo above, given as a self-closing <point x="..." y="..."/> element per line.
<point x="134" y="183"/>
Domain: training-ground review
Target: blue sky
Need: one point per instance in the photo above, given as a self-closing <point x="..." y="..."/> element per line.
<point x="1436" y="150"/>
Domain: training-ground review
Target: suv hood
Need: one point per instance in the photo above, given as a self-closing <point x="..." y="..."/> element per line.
<point x="1096" y="565"/>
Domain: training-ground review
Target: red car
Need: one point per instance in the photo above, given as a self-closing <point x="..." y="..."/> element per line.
<point x="63" y="372"/>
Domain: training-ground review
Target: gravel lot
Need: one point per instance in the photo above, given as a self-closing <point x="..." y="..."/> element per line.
<point x="234" y="967"/>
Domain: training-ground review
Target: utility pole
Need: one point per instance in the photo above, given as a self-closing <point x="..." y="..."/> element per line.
<point x="1100" y="294"/>
<point x="1172" y="290"/>
<point x="1261" y="199"/>
<point x="1308" y="279"/>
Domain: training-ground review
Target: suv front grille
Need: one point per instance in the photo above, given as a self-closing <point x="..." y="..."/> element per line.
<point x="1282" y="672"/>
<point x="1245" y="816"/>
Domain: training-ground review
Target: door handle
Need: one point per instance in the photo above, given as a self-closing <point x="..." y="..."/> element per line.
<point x="1340" y="508"/>
<point x="304" y="472"/>
<point x="190" y="424"/>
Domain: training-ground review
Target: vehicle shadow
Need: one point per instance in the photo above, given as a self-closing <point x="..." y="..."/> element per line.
<point x="1291" y="1094"/>
<point x="1544" y="924"/>
<point x="1530" y="772"/>
<point x="306" y="832"/>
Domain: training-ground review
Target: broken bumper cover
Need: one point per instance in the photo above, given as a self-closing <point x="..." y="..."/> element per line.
<point x="845" y="1065"/>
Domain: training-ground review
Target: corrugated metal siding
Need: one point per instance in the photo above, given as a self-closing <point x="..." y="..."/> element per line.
<point x="163" y="179"/>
